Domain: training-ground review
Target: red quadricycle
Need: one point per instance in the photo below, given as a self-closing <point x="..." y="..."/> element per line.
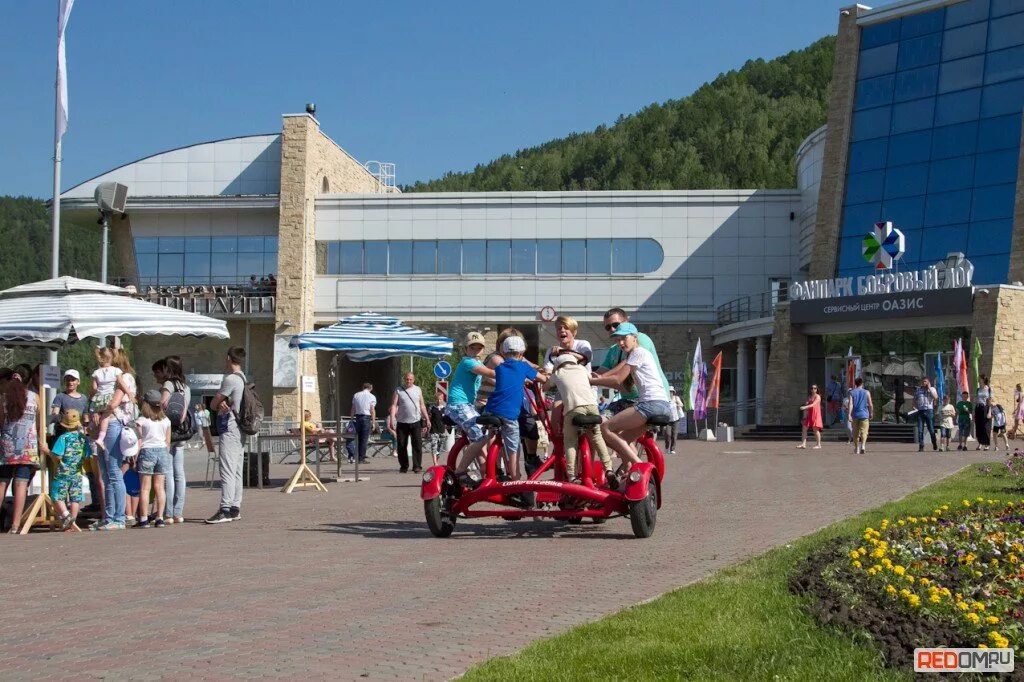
<point x="547" y="492"/>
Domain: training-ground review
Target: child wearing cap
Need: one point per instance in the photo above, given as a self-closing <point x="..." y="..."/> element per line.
<point x="573" y="382"/>
<point x="465" y="383"/>
<point x="154" y="456"/>
<point x="70" y="449"/>
<point x="506" y="401"/>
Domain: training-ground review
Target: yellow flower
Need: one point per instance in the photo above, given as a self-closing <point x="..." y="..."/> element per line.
<point x="967" y="503"/>
<point x="910" y="579"/>
<point x="862" y="551"/>
<point x="914" y="600"/>
<point x="1013" y="559"/>
<point x="962" y="605"/>
<point x="890" y="590"/>
<point x="887" y="563"/>
<point x="998" y="640"/>
<point x="925" y="581"/>
<point x="973" y="618"/>
<point x="935" y="599"/>
<point x="898" y="570"/>
<point x="856" y="564"/>
<point x="982" y="645"/>
<point x="991" y="620"/>
<point x="854" y="554"/>
<point x="978" y="606"/>
<point x="994" y="562"/>
<point x="902" y="522"/>
<point x="878" y="553"/>
<point x="928" y="540"/>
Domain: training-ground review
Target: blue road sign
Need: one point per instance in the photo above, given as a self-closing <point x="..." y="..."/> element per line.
<point x="442" y="370"/>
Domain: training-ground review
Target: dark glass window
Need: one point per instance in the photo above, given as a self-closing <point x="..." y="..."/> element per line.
<point x="400" y="257"/>
<point x="1002" y="98"/>
<point x="999" y="133"/>
<point x="907" y="212"/>
<point x="964" y="42"/>
<point x="199" y="245"/>
<point x="916" y="83"/>
<point x="172" y="244"/>
<point x="147" y="264"/>
<point x="915" y="115"/>
<point x="375" y="257"/>
<point x="850" y="253"/>
<point x="910" y="148"/>
<point x="574" y="256"/>
<point x="224" y="268"/>
<point x="1001" y="7"/>
<point x="906" y="181"/>
<point x="936" y="242"/>
<point x="251" y="263"/>
<point x="920" y="51"/>
<point x="956" y="140"/>
<point x="524" y="256"/>
<point x="147" y="245"/>
<point x="449" y="257"/>
<point x="950" y="174"/>
<point x="860" y="218"/>
<point x="474" y="256"/>
<point x="350" y="258"/>
<point x="498" y="256"/>
<point x="947" y="208"/>
<point x="968" y="12"/>
<point x="1006" y="32"/>
<point x="864" y="187"/>
<point x="599" y="256"/>
<point x="922" y="23"/>
<point x="224" y="245"/>
<point x="871" y="123"/>
<point x="957" y="107"/>
<point x="549" y="256"/>
<point x="250" y="244"/>
<point x="874" y="92"/>
<point x="995" y="168"/>
<point x="649" y="255"/>
<point x="270" y="244"/>
<point x="1005" y="65"/>
<point x="868" y="155"/>
<point x="880" y="34"/>
<point x="993" y="202"/>
<point x="332" y="265"/>
<point x="624" y="255"/>
<point x="989" y="237"/>
<point x="962" y="74"/>
<point x="197" y="267"/>
<point x="877" y="61"/>
<point x="424" y="257"/>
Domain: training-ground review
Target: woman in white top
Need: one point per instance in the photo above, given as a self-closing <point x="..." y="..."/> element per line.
<point x="639" y="367"/>
<point x="154" y="456"/>
<point x="566" y="329"/>
<point x="120" y="413"/>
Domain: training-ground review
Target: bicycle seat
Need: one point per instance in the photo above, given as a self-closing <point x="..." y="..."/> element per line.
<point x="586" y="420"/>
<point x="488" y="421"/>
<point x="659" y="421"/>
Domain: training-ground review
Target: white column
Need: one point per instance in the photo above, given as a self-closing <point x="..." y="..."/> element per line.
<point x="742" y="387"/>
<point x="760" y="375"/>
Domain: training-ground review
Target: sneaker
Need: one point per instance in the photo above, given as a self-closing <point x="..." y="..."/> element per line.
<point x="159" y="523"/>
<point x="222" y="516"/>
<point x="179" y="519"/>
<point x="141" y="523"/>
<point x="95" y="525"/>
<point x="403" y="471"/>
<point x="236" y="514"/>
<point x="128" y="520"/>
<point x="111" y="526"/>
<point x="65" y="521"/>
<point x="671" y="452"/>
<point x="168" y="520"/>
<point x="351" y="460"/>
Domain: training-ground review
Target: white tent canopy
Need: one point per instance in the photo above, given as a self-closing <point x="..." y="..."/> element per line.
<point x="58" y="312"/>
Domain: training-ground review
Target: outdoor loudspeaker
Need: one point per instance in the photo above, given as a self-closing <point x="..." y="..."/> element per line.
<point x="111" y="197"/>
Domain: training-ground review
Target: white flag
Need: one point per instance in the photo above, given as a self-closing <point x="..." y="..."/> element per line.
<point x="62" y="69"/>
<point x="695" y="372"/>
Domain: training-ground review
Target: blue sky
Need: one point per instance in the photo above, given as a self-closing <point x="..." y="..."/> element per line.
<point x="431" y="87"/>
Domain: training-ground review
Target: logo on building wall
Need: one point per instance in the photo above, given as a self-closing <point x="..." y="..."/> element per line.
<point x="884" y="246"/>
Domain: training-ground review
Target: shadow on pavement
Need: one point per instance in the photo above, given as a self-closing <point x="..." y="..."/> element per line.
<point x="415" y="530"/>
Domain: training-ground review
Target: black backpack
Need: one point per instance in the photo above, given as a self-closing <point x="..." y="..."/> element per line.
<point x="250" y="413"/>
<point x="183" y="424"/>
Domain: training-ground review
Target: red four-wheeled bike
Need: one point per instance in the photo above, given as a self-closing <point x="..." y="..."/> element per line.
<point x="638" y="496"/>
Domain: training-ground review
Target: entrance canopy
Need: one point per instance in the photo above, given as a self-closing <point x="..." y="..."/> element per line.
<point x="59" y="312"/>
<point x="369" y="336"/>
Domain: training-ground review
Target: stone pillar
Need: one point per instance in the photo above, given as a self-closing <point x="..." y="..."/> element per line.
<point x="760" y="375"/>
<point x="786" y="381"/>
<point x="742" y="388"/>
<point x="998" y="323"/>
<point x="824" y="253"/>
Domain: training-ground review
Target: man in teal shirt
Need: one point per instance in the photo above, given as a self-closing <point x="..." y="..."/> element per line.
<point x="612" y="319"/>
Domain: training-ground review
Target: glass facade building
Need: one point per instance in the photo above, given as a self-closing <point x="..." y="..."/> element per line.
<point x="225" y="261"/>
<point x="936" y="135"/>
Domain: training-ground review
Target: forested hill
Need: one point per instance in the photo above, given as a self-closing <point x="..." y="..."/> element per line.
<point x="25" y="244"/>
<point x="739" y="131"/>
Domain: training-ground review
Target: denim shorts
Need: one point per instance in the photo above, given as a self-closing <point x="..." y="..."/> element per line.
<point x="464" y="416"/>
<point x="620" y="405"/>
<point x="154" y="461"/>
<point x="510" y="435"/>
<point x="20" y="472"/>
<point x="654" y="408"/>
<point x="946" y="432"/>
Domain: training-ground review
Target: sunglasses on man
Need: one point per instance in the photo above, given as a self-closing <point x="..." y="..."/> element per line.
<point x="612" y="326"/>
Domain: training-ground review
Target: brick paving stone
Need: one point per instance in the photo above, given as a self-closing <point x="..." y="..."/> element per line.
<point x="350" y="585"/>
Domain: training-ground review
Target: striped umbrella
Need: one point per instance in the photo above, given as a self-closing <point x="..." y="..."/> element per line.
<point x="370" y="336"/>
<point x="58" y="312"/>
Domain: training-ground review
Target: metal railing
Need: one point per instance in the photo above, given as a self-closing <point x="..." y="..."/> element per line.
<point x="751" y="307"/>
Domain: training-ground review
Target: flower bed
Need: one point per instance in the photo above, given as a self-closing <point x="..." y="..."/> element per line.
<point x="1011" y="470"/>
<point x="962" y="565"/>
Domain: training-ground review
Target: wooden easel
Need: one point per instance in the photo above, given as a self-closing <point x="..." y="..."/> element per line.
<point x="303" y="476"/>
<point x="42" y="512"/>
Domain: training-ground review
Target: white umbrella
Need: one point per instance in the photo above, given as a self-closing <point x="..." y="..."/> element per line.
<point x="58" y="312"/>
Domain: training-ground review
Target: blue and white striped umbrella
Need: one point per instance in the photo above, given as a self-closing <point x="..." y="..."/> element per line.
<point x="369" y="336"/>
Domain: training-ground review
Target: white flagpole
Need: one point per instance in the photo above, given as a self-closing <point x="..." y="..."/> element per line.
<point x="59" y="126"/>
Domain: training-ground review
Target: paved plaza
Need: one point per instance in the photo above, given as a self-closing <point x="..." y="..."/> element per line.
<point x="350" y="585"/>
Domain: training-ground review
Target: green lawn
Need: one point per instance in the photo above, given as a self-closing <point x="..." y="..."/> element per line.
<point x="741" y="623"/>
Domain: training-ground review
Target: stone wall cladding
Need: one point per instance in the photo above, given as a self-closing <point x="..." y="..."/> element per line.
<point x="837" y="144"/>
<point x="1017" y="247"/>
<point x="308" y="157"/>
<point x="786" y="384"/>
<point x="998" y="323"/>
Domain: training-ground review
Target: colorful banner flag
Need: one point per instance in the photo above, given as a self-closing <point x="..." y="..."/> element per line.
<point x="975" y="357"/>
<point x="695" y="366"/>
<point x="940" y="377"/>
<point x="716" y="381"/>
<point x="960" y="368"/>
<point x="700" y="411"/>
<point x="852" y="368"/>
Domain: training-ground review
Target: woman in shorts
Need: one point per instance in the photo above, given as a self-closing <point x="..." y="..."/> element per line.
<point x="639" y="367"/>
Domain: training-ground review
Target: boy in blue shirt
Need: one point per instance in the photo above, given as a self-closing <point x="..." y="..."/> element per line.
<point x="461" y="410"/>
<point x="506" y="401"/>
<point x="69" y="449"/>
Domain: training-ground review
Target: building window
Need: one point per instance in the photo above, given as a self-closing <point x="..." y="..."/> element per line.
<point x="230" y="261"/>
<point x="938" y="154"/>
<point x="490" y="256"/>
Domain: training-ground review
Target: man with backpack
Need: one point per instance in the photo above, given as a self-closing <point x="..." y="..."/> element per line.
<point x="235" y="407"/>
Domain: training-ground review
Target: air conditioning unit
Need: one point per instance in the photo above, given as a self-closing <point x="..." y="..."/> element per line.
<point x="111" y="197"/>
